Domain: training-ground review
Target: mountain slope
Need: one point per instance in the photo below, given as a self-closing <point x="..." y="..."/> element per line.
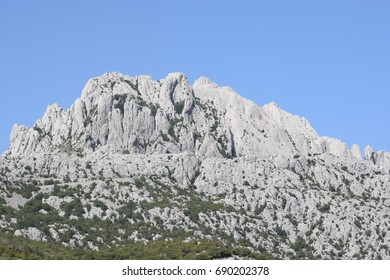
<point x="135" y="159"/>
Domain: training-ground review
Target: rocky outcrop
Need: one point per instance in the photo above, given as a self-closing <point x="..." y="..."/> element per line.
<point x="154" y="158"/>
<point x="137" y="115"/>
<point x="31" y="233"/>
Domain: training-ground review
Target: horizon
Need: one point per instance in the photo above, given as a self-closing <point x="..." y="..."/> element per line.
<point x="327" y="62"/>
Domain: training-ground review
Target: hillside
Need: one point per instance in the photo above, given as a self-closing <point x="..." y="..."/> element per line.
<point x="137" y="160"/>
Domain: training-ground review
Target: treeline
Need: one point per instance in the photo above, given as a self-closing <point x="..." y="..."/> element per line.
<point x="12" y="247"/>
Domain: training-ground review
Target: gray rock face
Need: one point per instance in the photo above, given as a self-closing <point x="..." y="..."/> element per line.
<point x="141" y="116"/>
<point x="32" y="233"/>
<point x="260" y="175"/>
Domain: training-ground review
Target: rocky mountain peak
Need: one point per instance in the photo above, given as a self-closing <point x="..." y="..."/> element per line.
<point x="152" y="160"/>
<point x="141" y="115"/>
<point x="369" y="153"/>
<point x="204" y="82"/>
<point x="356" y="152"/>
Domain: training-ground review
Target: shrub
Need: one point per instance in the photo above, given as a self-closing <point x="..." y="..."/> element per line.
<point x="67" y="179"/>
<point x="171" y="131"/>
<point x="75" y="207"/>
<point x="127" y="210"/>
<point x="153" y="109"/>
<point x="179" y="106"/>
<point x="280" y="232"/>
<point x="100" y="204"/>
<point x="260" y="209"/>
<point x="324" y="208"/>
<point x="119" y="101"/>
<point x="27" y="190"/>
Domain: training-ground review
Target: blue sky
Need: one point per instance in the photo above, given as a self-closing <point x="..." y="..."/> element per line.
<point x="328" y="61"/>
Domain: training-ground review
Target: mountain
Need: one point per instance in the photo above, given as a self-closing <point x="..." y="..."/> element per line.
<point x="139" y="160"/>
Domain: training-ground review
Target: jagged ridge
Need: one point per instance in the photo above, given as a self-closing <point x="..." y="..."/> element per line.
<point x="139" y="115"/>
<point x="164" y="154"/>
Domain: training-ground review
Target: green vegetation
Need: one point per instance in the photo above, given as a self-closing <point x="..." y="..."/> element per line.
<point x="164" y="136"/>
<point x="177" y="250"/>
<point x="119" y="101"/>
<point x="196" y="206"/>
<point x="260" y="208"/>
<point x="30" y="216"/>
<point x="323" y="208"/>
<point x="142" y="103"/>
<point x="67" y="179"/>
<point x="75" y="207"/>
<point x="223" y="149"/>
<point x="87" y="121"/>
<point x="172" y="123"/>
<point x="100" y="204"/>
<point x="133" y="86"/>
<point x="302" y="250"/>
<point x="27" y="190"/>
<point x="5" y="210"/>
<point x="127" y="210"/>
<point x="179" y="106"/>
<point x="153" y="109"/>
<point x="214" y="126"/>
<point x="62" y="191"/>
<point x="171" y="132"/>
<point x="12" y="247"/>
<point x="280" y="232"/>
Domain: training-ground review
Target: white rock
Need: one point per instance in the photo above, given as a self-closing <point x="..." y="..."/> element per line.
<point x="356" y="152"/>
<point x="271" y="167"/>
<point x="31" y="233"/>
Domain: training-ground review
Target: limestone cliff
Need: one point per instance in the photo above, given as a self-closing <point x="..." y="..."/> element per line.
<point x="157" y="159"/>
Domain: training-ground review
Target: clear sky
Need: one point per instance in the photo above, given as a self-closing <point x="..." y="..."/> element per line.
<point x="328" y="61"/>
